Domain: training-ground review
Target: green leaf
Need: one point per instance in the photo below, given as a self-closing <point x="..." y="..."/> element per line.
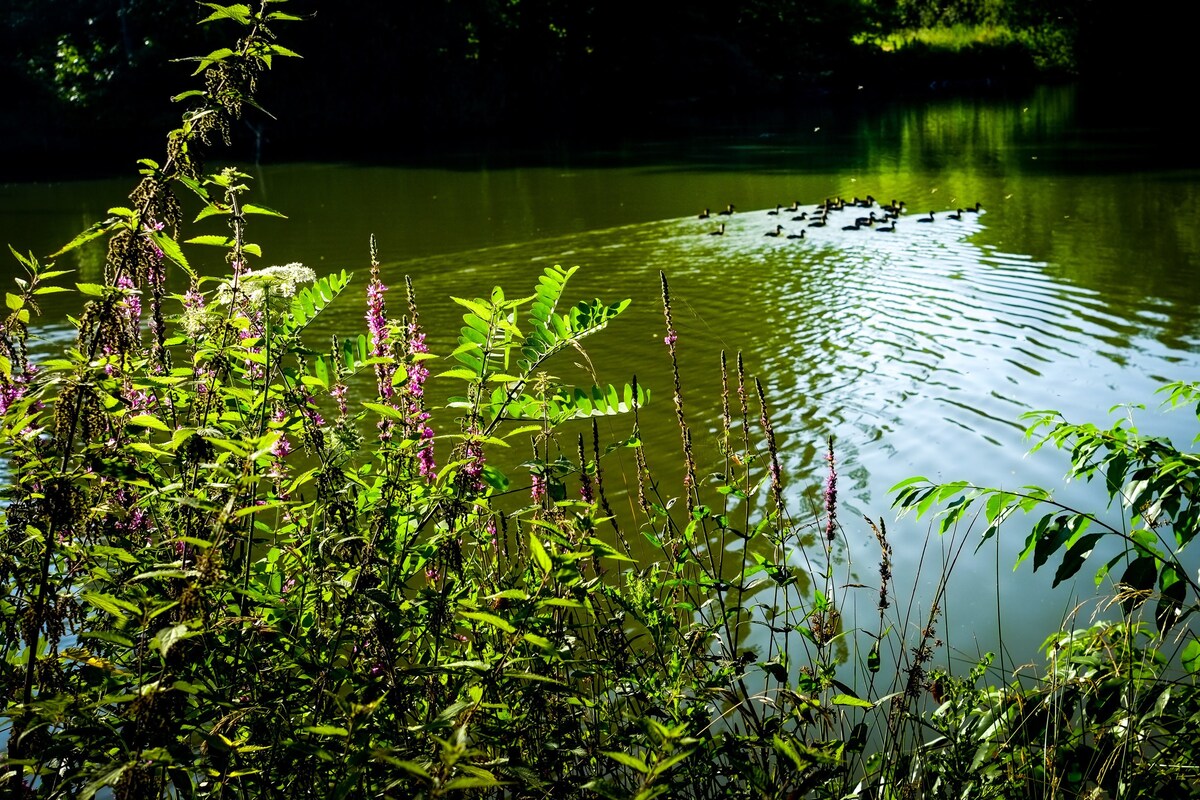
<point x="171" y="250"/>
<point x="538" y="641"/>
<point x="92" y="289"/>
<point x="106" y="602"/>
<point x="148" y="421"/>
<point x="629" y="761"/>
<point x="1172" y="593"/>
<point x="167" y="637"/>
<point x="848" y="700"/>
<point x="539" y="553"/>
<point x="461" y="373"/>
<point x="211" y="239"/>
<point x="95" y="231"/>
<point x="1139" y="577"/>
<point x="489" y="619"/>
<point x="1191" y="657"/>
<point x="326" y="730"/>
<point x="1076" y="554"/>
<point x="384" y="410"/>
<point x="270" y="212"/>
<point x="239" y="13"/>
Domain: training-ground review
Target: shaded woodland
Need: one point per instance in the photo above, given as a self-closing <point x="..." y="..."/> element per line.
<point x="381" y="80"/>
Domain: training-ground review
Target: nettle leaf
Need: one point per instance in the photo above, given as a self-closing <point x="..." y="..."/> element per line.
<point x="250" y="208"/>
<point x="148" y="421"/>
<point x="171" y="250"/>
<point x="211" y="239"/>
<point x="107" y="603"/>
<point x="94" y="232"/>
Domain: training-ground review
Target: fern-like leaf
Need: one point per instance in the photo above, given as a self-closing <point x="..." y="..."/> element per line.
<point x="310" y="301"/>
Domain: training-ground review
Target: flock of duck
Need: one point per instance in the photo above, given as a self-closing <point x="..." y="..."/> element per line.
<point x="873" y="215"/>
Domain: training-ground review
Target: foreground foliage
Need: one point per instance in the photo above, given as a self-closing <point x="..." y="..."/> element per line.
<point x="238" y="562"/>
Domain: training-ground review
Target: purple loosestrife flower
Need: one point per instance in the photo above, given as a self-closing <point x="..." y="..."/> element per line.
<point x="426" y="464"/>
<point x="377" y="314"/>
<point x="308" y="406"/>
<point x="377" y="326"/>
<point x="416" y="423"/>
<point x="339" y="394"/>
<point x="472" y="473"/>
<point x="537" y="487"/>
<point x="831" y="496"/>
<point x="9" y="394"/>
<point x="131" y="305"/>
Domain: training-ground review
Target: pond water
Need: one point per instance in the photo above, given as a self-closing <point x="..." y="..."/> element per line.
<point x="916" y="350"/>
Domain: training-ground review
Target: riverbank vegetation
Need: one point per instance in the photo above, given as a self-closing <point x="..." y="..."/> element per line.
<point x="237" y="562"/>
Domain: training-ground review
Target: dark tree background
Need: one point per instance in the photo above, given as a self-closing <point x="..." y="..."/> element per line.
<point x="381" y="79"/>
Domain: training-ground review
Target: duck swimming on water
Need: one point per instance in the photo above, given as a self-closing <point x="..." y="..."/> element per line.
<point x="777" y="232"/>
<point x="926" y="219"/>
<point x="720" y="231"/>
<point x="799" y="235"/>
<point x="728" y="210"/>
<point x="704" y="214"/>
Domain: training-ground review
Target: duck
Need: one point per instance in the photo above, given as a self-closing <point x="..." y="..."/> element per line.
<point x="794" y="207"/>
<point x="720" y="231"/>
<point x="853" y="227"/>
<point x="704" y="214"/>
<point x="887" y="228"/>
<point x="821" y="223"/>
<point x="868" y="221"/>
<point x="728" y="211"/>
<point x="976" y="209"/>
<point x="777" y="232"/>
<point x="957" y="215"/>
<point x="799" y="235"/>
<point x="776" y="211"/>
<point x="896" y="208"/>
<point x="801" y="217"/>
<point x="926" y="219"/>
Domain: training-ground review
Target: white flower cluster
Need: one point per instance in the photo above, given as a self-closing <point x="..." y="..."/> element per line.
<point x="268" y="282"/>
